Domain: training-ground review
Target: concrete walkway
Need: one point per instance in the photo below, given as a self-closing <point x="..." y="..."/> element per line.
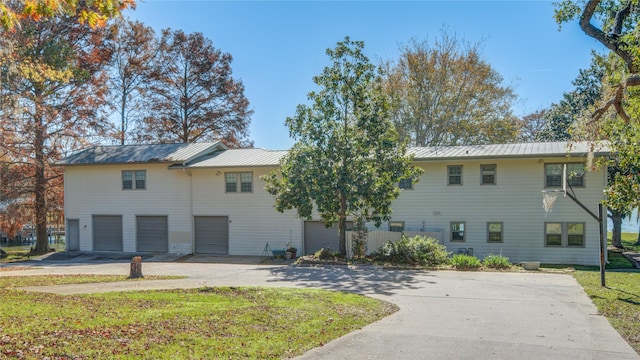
<point x="443" y="314"/>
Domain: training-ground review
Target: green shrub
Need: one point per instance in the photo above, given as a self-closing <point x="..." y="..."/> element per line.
<point x="416" y="250"/>
<point x="496" y="262"/>
<point x="323" y="254"/>
<point x="465" y="262"/>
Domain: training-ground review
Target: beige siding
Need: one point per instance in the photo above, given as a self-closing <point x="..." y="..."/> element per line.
<point x="515" y="200"/>
<point x="253" y="221"/>
<point x="97" y="190"/>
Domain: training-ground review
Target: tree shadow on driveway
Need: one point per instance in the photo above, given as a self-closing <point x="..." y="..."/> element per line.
<point x="362" y="281"/>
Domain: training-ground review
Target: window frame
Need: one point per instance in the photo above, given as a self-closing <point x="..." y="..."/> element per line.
<point x="564" y="234"/>
<point x="402" y="184"/>
<point x="396" y="224"/>
<point x="583" y="235"/>
<point x="238" y="184"/>
<point x="489" y="232"/>
<point x="449" y="175"/>
<point x="463" y="231"/>
<point x="134" y="179"/>
<point x="573" y="181"/>
<point x="494" y="174"/>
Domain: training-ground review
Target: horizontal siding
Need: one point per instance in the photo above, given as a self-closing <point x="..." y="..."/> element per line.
<point x="97" y="190"/>
<point x="515" y="200"/>
<point x="253" y="221"/>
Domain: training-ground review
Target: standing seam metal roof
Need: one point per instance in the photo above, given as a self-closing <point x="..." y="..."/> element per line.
<point x="507" y="150"/>
<point x="241" y="158"/>
<point x="130" y="154"/>
<point x="202" y="155"/>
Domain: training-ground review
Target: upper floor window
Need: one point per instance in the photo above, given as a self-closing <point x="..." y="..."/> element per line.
<point x="457" y="231"/>
<point x="488" y="174"/>
<point x="244" y="179"/>
<point x="454" y="175"/>
<point x="134" y="179"/>
<point x="553" y="174"/>
<point x="405" y="184"/>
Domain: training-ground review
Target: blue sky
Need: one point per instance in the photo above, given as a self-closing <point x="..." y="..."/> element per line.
<point x="278" y="46"/>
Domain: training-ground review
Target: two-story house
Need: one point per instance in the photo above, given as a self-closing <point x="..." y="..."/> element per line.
<point x="205" y="199"/>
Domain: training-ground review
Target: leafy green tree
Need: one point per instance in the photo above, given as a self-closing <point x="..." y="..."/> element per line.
<point x="564" y="115"/>
<point x="347" y="160"/>
<point x="616" y="116"/>
<point x="447" y="94"/>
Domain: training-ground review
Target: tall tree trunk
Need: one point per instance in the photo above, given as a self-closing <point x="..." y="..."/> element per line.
<point x="638" y="241"/>
<point x="123" y="117"/>
<point x="40" y="205"/>
<point x="616" y="234"/>
<point x="342" y="225"/>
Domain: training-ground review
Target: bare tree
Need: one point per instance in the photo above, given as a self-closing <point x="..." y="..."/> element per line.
<point x="194" y="97"/>
<point x="135" y="48"/>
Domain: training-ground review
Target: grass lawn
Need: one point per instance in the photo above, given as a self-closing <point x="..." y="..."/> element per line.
<point x="17" y="253"/>
<point x="619" y="301"/>
<point x="615" y="257"/>
<point x="206" y="323"/>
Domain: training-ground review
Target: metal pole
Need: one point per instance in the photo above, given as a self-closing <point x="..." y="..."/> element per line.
<point x="602" y="242"/>
<point x="600" y="218"/>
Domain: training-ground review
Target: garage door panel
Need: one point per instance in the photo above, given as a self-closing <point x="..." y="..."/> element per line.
<point x="318" y="236"/>
<point x="152" y="234"/>
<point x="212" y="235"/>
<point x="107" y="233"/>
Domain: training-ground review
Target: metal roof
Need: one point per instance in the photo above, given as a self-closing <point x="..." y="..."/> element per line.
<point x="241" y="158"/>
<point x="129" y="154"/>
<point x="203" y="155"/>
<point x="507" y="150"/>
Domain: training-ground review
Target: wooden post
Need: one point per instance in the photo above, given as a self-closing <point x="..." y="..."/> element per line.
<point x="136" y="268"/>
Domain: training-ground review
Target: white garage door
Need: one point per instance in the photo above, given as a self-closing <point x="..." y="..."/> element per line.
<point x="107" y="233"/>
<point x="152" y="234"/>
<point x="212" y="235"/>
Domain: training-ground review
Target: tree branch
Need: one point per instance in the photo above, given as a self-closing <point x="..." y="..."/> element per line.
<point x="620" y="16"/>
<point x="610" y="41"/>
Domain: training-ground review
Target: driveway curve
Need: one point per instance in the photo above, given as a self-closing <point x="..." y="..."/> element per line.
<point x="443" y="314"/>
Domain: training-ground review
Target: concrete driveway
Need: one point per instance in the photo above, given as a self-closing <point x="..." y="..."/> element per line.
<point x="443" y="314"/>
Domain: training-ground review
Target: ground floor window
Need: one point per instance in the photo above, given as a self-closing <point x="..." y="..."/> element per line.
<point x="494" y="232"/>
<point x="564" y="234"/>
<point x="457" y="231"/>
<point x="396" y="226"/>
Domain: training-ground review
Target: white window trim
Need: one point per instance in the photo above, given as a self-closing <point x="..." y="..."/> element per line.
<point x="133" y="180"/>
<point x="238" y="182"/>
